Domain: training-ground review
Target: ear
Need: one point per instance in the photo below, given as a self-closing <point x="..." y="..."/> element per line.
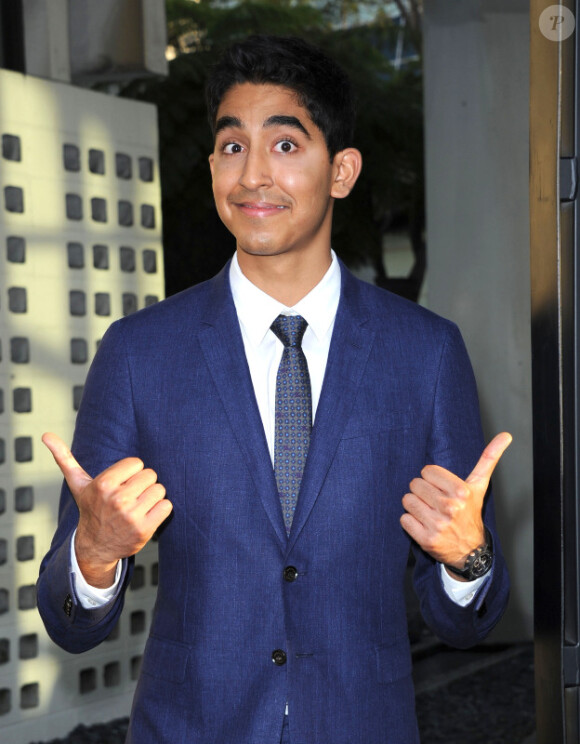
<point x="211" y="164"/>
<point x="347" y="167"/>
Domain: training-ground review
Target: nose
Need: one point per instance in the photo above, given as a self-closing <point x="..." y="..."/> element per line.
<point x="256" y="172"/>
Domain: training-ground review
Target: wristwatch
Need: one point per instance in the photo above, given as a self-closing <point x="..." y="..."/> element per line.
<point x="478" y="561"/>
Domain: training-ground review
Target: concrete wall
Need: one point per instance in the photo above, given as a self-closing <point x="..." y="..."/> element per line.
<point x="80" y="245"/>
<point x="476" y="109"/>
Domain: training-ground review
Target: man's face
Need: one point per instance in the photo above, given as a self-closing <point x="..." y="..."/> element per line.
<point x="272" y="174"/>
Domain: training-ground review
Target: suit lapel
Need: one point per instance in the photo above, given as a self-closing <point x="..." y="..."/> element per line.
<point x="221" y="341"/>
<point x="350" y="347"/>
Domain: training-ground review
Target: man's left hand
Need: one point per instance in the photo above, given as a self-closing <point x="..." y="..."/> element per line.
<point x="443" y="512"/>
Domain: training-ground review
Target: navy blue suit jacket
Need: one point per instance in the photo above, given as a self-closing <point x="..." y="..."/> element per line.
<point x="171" y="385"/>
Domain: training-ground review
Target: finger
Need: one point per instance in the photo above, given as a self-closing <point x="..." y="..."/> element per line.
<point x="439" y="479"/>
<point x="74" y="474"/>
<point x="413" y="528"/>
<point x="490" y="458"/>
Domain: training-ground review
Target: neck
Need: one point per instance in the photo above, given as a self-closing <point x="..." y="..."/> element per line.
<point x="286" y="277"/>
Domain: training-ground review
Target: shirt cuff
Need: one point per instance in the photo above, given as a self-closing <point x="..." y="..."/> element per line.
<point x="89" y="596"/>
<point x="460" y="592"/>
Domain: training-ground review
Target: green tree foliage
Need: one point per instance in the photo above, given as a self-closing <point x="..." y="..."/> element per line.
<point x="389" y="130"/>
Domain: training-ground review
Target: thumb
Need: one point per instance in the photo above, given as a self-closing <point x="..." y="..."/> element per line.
<point x="490" y="458"/>
<point x="75" y="476"/>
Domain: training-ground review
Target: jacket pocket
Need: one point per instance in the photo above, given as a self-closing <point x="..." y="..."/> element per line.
<point x="393" y="661"/>
<point x="165" y="659"/>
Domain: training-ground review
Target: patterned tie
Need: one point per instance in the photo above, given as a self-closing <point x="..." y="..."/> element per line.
<point x="293" y="413"/>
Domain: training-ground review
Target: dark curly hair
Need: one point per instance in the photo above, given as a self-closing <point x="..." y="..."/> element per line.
<point x="321" y="85"/>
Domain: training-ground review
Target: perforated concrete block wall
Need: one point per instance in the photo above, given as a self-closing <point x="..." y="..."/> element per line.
<point x="79" y="247"/>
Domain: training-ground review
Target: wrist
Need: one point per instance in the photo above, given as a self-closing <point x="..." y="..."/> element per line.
<point x="476" y="563"/>
<point x="95" y="571"/>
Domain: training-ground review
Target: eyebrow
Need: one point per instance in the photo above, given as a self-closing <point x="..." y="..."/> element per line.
<point x="278" y="120"/>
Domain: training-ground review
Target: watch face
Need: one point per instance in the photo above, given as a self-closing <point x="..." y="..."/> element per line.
<point x="481" y="564"/>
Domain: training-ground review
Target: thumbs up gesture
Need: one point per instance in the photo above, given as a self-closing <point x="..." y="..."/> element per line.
<point x="443" y="512"/>
<point x="119" y="511"/>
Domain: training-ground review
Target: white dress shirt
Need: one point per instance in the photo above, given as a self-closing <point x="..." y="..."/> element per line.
<point x="256" y="312"/>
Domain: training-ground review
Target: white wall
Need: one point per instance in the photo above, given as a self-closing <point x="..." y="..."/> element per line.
<point x="47" y="342"/>
<point x="476" y="107"/>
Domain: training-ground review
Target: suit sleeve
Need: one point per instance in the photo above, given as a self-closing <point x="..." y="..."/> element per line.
<point x="456" y="443"/>
<point x="105" y="432"/>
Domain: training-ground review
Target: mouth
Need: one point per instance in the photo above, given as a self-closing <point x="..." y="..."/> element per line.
<point x="259" y="208"/>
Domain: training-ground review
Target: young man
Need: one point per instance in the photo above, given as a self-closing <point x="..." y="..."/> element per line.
<point x="280" y="613"/>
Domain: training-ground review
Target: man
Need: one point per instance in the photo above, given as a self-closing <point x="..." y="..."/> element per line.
<point x="280" y="613"/>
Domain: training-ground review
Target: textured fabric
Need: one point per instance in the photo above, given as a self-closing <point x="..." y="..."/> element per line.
<point x="293" y="413"/>
<point x="171" y="385"/>
<point x="285" y="738"/>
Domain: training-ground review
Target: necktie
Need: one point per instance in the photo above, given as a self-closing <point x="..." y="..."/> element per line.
<point x="293" y="418"/>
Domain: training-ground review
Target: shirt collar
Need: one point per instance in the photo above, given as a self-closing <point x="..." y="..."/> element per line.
<point x="257" y="311"/>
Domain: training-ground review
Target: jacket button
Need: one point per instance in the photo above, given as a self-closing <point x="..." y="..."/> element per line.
<point x="290" y="573"/>
<point x="279" y="657"/>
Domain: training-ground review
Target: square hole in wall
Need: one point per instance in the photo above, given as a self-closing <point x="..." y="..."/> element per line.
<point x="5" y="701"/>
<point x="19" y="350"/>
<point x="137" y="622"/>
<point x="148" y="216"/>
<point x="127" y="256"/>
<point x="2" y="501"/>
<point x="30" y="696"/>
<point x="149" y="261"/>
<point x="146" y="169"/>
<point x="151" y="300"/>
<point x="79" y="351"/>
<point x="25" y="548"/>
<point x="71" y="157"/>
<point x="4" y="601"/>
<point x="24" y="499"/>
<point x="15" y="249"/>
<point x="74" y="207"/>
<point x="13" y="199"/>
<point x="2" y="451"/>
<point x="17" y="300"/>
<point x="123" y="166"/>
<point x="28" y="646"/>
<point x="125" y="213"/>
<point x="138" y="578"/>
<point x="129" y="303"/>
<point x="23" y="449"/>
<point x="101" y="256"/>
<point x="97" y="161"/>
<point x="1" y="400"/>
<point x="98" y="209"/>
<point x="112" y="674"/>
<point x="76" y="255"/>
<point x="4" y="650"/>
<point x="22" y="400"/>
<point x="102" y="303"/>
<point x="27" y="597"/>
<point x="3" y="551"/>
<point x="77" y="302"/>
<point x="11" y="149"/>
<point x="87" y="680"/>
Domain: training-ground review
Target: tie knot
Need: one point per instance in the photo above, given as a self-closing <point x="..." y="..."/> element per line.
<point x="289" y="329"/>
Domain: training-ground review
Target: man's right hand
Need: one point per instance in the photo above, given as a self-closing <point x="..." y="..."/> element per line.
<point x="119" y="511"/>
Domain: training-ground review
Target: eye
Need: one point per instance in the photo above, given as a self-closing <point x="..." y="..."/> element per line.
<point x="285" y="146"/>
<point x="232" y="148"/>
